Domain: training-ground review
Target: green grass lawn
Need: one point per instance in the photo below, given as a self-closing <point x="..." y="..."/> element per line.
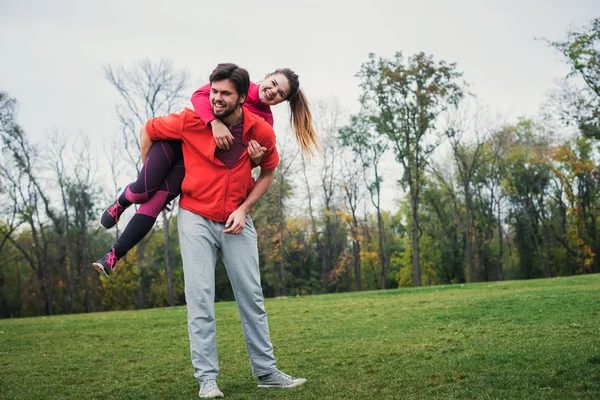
<point x="537" y="339"/>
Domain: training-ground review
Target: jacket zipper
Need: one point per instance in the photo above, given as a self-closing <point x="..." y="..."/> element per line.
<point x="226" y="192"/>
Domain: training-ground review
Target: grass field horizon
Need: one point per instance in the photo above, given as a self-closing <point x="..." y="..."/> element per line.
<point x="533" y="339"/>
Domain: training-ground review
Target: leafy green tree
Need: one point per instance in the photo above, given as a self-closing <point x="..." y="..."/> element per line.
<point x="353" y="192"/>
<point x="581" y="50"/>
<point x="443" y="210"/>
<point x="578" y="202"/>
<point x="269" y="217"/>
<point x="405" y="100"/>
<point x="119" y="291"/>
<point x="526" y="183"/>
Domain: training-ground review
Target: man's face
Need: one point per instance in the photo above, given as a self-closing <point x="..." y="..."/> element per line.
<point x="224" y="98"/>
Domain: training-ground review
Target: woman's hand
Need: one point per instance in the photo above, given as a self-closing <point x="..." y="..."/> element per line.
<point x="222" y="135"/>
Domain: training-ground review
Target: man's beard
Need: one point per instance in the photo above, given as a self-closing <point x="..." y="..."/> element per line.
<point x="225" y="113"/>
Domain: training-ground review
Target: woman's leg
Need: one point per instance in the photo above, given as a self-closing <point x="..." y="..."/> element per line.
<point x="143" y="221"/>
<point x="161" y="157"/>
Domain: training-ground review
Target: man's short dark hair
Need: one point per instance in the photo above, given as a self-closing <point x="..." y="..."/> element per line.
<point x="239" y="77"/>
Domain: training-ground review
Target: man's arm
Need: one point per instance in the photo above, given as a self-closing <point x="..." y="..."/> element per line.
<point x="145" y="143"/>
<point x="169" y="127"/>
<point x="237" y="219"/>
<point x="201" y="102"/>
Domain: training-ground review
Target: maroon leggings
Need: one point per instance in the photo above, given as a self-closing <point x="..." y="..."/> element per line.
<point x="158" y="183"/>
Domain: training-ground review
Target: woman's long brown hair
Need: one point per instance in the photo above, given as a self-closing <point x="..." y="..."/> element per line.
<point x="300" y="115"/>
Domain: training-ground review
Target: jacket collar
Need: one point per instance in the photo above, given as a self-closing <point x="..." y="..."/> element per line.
<point x="249" y="120"/>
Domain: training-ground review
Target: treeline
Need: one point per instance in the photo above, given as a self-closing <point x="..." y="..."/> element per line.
<point x="479" y="199"/>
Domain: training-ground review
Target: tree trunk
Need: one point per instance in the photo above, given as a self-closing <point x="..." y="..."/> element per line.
<point x="76" y="299"/>
<point x="357" y="272"/>
<point x="4" y="309"/>
<point x="382" y="248"/>
<point x="534" y="234"/>
<point x="414" y="205"/>
<point x="499" y="269"/>
<point x="281" y="227"/>
<point x="356" y="249"/>
<point x="45" y="284"/>
<point x="140" y="257"/>
<point x="469" y="250"/>
<point x="595" y="267"/>
<point x="66" y="266"/>
<point x="68" y="296"/>
<point x="545" y="268"/>
<point x="281" y="274"/>
<point x="19" y="290"/>
<point x="327" y="249"/>
<point x="43" y="268"/>
<point x="324" y="272"/>
<point x="169" y="271"/>
<point x="481" y="274"/>
<point x="86" y="288"/>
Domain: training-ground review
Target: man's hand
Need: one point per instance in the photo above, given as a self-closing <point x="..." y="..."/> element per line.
<point x="256" y="151"/>
<point x="236" y="222"/>
<point x="222" y="135"/>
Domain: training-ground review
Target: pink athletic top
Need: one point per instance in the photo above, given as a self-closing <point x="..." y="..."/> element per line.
<point x="201" y="102"/>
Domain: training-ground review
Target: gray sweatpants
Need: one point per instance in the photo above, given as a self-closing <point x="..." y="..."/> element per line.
<point x="200" y="239"/>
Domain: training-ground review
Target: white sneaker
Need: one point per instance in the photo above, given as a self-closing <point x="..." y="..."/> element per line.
<point x="209" y="389"/>
<point x="279" y="380"/>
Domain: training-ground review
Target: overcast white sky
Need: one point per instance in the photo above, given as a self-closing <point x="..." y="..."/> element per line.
<point x="52" y="52"/>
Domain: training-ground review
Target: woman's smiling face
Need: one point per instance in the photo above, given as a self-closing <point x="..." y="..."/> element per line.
<point x="274" y="89"/>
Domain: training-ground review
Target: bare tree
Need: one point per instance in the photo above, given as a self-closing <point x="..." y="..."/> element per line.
<point x="352" y="172"/>
<point x="23" y="161"/>
<point x="35" y="250"/>
<point x="57" y="144"/>
<point x="328" y="122"/>
<point x="476" y="148"/>
<point x="490" y="195"/>
<point x="36" y="208"/>
<point x="81" y="197"/>
<point x="8" y="207"/>
<point x="115" y="166"/>
<point x="311" y="213"/>
<point x="282" y="177"/>
<point x="148" y="89"/>
<point x="9" y="223"/>
<point x="360" y="135"/>
<point x="468" y="157"/>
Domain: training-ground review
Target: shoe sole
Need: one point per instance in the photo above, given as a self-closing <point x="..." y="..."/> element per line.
<point x="293" y="385"/>
<point x="102" y="225"/>
<point x="212" y="396"/>
<point x="100" y="269"/>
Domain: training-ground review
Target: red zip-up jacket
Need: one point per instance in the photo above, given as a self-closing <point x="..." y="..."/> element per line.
<point x="209" y="188"/>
